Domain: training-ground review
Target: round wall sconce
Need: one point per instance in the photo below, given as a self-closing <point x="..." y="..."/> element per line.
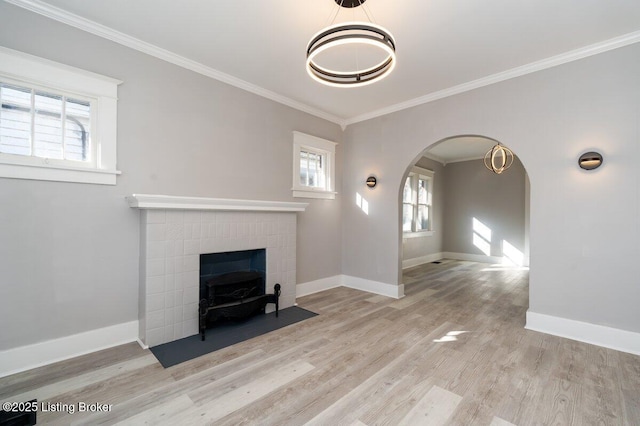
<point x="372" y="182"/>
<point x="590" y="160"/>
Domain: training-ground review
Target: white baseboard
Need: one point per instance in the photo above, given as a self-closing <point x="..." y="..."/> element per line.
<point x="376" y="287"/>
<point x="473" y="257"/>
<point x="316" y="286"/>
<point x="410" y="263"/>
<point x="38" y="354"/>
<point x="612" y="338"/>
<point x="389" y="290"/>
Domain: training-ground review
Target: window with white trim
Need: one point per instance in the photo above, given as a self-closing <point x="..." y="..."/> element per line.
<point x="313" y="167"/>
<point x="56" y="122"/>
<point x="46" y="125"/>
<point x="417" y="203"/>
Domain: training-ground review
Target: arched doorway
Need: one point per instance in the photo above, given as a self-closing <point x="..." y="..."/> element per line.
<point x="453" y="208"/>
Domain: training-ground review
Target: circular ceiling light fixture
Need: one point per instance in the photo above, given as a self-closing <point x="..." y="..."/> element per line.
<point x="498" y="159"/>
<point x="351" y="54"/>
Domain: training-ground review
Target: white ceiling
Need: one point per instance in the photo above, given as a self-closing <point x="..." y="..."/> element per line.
<point x="461" y="148"/>
<point x="443" y="46"/>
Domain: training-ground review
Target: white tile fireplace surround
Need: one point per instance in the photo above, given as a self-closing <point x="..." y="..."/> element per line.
<point x="175" y="231"/>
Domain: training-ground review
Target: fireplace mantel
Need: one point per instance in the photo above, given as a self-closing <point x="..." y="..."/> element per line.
<point x="170" y="202"/>
<point x="176" y="231"/>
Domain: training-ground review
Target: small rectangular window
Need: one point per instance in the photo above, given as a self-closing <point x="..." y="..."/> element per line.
<point x="417" y="199"/>
<point x="57" y="122"/>
<point x="313" y="168"/>
<point x="15" y="120"/>
<point x="424" y="205"/>
<point x="407" y="206"/>
<point x="43" y="124"/>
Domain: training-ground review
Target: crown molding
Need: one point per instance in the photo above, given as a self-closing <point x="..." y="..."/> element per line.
<point x="103" y="31"/>
<point x="563" y="58"/>
<point x="460" y="160"/>
<point x="434" y="157"/>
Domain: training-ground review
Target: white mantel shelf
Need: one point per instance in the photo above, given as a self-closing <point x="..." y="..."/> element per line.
<point x="169" y="202"/>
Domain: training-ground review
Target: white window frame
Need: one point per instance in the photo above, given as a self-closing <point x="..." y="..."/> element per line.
<point x="304" y="142"/>
<point x="37" y="73"/>
<point x="415" y="175"/>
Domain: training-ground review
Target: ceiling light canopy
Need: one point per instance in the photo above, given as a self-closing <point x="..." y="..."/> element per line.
<point x="351" y="54"/>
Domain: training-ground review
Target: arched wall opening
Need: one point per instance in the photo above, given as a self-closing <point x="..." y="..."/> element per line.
<point x="583" y="227"/>
<point x="450" y="206"/>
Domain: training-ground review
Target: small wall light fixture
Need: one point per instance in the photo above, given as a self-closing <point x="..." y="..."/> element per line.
<point x="590" y="160"/>
<point x="372" y="182"/>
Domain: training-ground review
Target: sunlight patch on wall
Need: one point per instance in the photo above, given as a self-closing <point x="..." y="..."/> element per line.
<point x="482" y="237"/>
<point x="512" y="254"/>
<point x="362" y="203"/>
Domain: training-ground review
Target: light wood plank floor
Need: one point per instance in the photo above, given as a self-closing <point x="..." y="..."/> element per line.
<point x="453" y="351"/>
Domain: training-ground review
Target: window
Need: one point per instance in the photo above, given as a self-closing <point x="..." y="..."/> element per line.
<point x="56" y="122"/>
<point x="45" y="125"/>
<point x="417" y="200"/>
<point x="313" y="167"/>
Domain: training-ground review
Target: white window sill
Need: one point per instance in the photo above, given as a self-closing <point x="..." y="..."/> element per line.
<point x="418" y="234"/>
<point x="58" y="173"/>
<point x="327" y="195"/>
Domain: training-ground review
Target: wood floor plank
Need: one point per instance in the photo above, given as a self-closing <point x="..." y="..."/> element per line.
<point x="159" y="415"/>
<point x="241" y="396"/>
<point x="497" y="421"/>
<point x="37" y="377"/>
<point x="631" y="402"/>
<point x="435" y="408"/>
<point x="333" y="378"/>
<point x="225" y="376"/>
<point x="77" y="382"/>
<point x="452" y="351"/>
<point x="559" y="402"/>
<point x="378" y="389"/>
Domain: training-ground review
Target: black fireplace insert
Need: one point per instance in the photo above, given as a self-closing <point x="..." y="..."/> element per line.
<point x="234" y="296"/>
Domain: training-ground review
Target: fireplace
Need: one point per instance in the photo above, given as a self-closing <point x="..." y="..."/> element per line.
<point x="232" y="287"/>
<point x="176" y="231"/>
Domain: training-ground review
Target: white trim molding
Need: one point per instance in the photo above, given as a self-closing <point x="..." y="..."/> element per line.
<point x="410" y="263"/>
<point x="170" y="202"/>
<point x="311" y="287"/>
<point x="554" y="61"/>
<point x="27" y="357"/>
<point x="475" y="258"/>
<point x="103" y="31"/>
<point x="376" y="287"/>
<point x="612" y="338"/>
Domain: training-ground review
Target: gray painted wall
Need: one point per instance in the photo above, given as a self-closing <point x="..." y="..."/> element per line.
<point x="584" y="227"/>
<point x="497" y="201"/>
<point x="69" y="252"/>
<point x="423" y="246"/>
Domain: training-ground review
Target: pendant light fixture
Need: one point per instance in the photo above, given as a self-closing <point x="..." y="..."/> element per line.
<point x="327" y="48"/>
<point x="498" y="159"/>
